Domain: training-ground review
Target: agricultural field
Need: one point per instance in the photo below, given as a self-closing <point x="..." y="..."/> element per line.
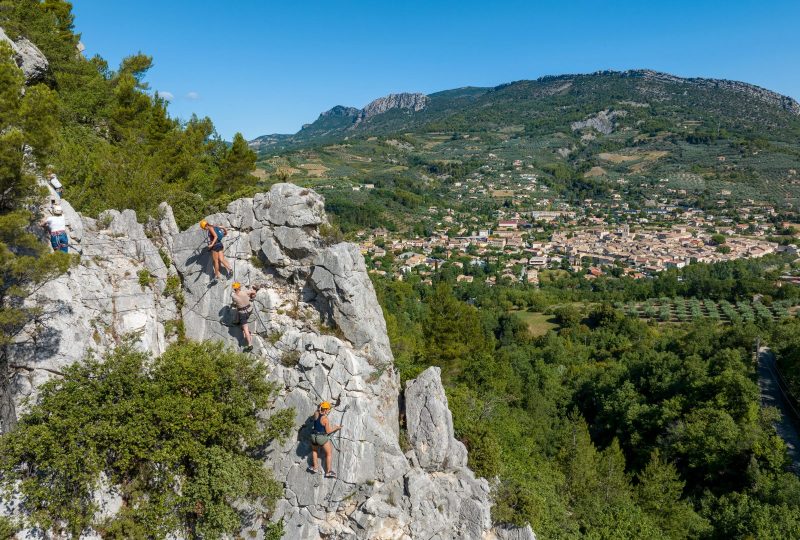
<point x="538" y="323"/>
<point x="692" y="309"/>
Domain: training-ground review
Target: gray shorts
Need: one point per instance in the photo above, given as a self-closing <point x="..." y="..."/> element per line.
<point x="319" y="439"/>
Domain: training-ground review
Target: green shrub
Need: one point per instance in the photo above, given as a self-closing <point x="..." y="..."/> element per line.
<point x="174" y="288"/>
<point x="290" y="358"/>
<point x="330" y="234"/>
<point x="257" y="263"/>
<point x="274" y="337"/>
<point x="176" y="328"/>
<point x="145" y="278"/>
<point x="8" y="529"/>
<point x="188" y="418"/>
<point x="164" y="257"/>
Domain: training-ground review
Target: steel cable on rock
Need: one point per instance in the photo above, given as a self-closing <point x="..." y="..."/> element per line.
<point x="339" y="454"/>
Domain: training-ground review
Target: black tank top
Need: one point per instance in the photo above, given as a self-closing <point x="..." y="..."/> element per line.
<point x="318" y="426"/>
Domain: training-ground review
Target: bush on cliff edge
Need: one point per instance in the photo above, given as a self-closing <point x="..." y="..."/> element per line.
<point x="177" y="436"/>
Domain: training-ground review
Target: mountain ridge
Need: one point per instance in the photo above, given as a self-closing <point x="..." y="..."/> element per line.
<point x="343" y="120"/>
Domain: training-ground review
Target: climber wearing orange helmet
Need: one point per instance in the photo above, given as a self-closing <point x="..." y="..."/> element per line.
<point x="241" y="299"/>
<point x="215" y="236"/>
<point x="321" y="437"/>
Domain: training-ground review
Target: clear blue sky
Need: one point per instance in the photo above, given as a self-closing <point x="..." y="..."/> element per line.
<point x="268" y="67"/>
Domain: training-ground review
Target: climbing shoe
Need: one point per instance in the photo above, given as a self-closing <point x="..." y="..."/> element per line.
<point x="330" y="474"/>
<point x="312" y="470"/>
<point x="248" y="348"/>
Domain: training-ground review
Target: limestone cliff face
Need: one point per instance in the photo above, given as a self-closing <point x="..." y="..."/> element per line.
<point x="319" y="327"/>
<point x="414" y="102"/>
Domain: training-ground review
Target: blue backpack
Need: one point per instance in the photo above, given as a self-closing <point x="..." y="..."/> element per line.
<point x="220" y="234"/>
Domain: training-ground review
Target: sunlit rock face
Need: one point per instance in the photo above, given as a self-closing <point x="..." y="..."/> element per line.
<point x="317" y="325"/>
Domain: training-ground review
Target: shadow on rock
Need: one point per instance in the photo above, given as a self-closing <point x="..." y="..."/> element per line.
<point x="39" y="349"/>
<point x="201" y="257"/>
<point x="229" y="317"/>
<point x="304" y="440"/>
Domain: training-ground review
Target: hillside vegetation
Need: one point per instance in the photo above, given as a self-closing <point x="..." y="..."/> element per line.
<point x="640" y="133"/>
<point x="606" y="426"/>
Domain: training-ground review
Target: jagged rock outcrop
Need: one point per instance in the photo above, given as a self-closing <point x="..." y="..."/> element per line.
<point x="29" y="58"/>
<point x="602" y="122"/>
<point x="341" y="118"/>
<point x="341" y="110"/>
<point x="414" y="102"/>
<point x="319" y="327"/>
<point x="430" y="424"/>
<point x="95" y="304"/>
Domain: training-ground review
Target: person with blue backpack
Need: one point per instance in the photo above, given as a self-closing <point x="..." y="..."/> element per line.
<point x="215" y="236"/>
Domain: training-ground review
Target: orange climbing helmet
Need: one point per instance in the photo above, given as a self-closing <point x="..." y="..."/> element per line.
<point x="203" y="223"/>
<point x="325" y="406"/>
<point x="236" y="285"/>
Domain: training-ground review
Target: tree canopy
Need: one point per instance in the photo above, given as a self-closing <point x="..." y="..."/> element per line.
<point x="188" y="418"/>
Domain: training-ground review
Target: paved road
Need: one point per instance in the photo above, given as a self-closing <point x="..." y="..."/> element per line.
<point x="772" y="395"/>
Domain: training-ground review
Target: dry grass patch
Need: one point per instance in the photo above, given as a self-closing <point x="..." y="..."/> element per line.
<point x="314" y="169"/>
<point x="623" y="158"/>
<point x="616" y="158"/>
<point x="538" y="323"/>
<point x="595" y="172"/>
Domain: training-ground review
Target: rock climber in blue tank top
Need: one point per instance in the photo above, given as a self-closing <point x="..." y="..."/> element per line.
<point x="321" y="437"/>
<point x="215" y="235"/>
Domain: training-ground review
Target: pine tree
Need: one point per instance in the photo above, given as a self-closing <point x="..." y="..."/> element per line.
<point x="659" y="494"/>
<point x="24" y="259"/>
<point x="452" y="330"/>
<point x="236" y="166"/>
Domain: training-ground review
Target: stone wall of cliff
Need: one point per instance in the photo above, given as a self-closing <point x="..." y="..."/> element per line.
<point x="318" y="326"/>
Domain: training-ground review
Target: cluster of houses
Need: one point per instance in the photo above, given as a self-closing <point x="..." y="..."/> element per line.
<point x="533" y="230"/>
<point x="649" y="251"/>
<point x="586" y="245"/>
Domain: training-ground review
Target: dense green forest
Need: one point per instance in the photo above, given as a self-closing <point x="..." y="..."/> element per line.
<point x="188" y="417"/>
<point x="608" y="427"/>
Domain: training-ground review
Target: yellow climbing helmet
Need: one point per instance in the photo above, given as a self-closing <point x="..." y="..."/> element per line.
<point x="236" y="285"/>
<point x="203" y="223"/>
<point x="324" y="405"/>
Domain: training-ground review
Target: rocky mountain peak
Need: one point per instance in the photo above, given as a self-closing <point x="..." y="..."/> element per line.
<point x="316" y="324"/>
<point x="340" y="111"/>
<point x="414" y="102"/>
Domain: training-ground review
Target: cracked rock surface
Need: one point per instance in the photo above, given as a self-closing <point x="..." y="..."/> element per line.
<point x="318" y="326"/>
